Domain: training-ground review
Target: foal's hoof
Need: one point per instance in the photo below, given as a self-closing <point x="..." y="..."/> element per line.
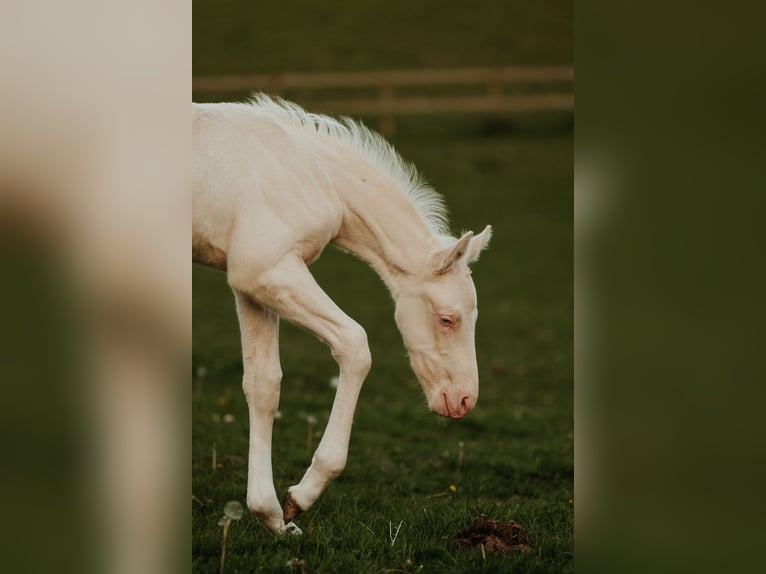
<point x="292" y="529"/>
<point x="291" y="509"/>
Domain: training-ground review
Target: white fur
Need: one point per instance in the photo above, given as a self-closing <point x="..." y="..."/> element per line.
<point x="429" y="204"/>
<point x="272" y="186"/>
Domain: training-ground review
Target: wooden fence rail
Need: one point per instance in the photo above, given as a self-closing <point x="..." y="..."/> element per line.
<point x="553" y="90"/>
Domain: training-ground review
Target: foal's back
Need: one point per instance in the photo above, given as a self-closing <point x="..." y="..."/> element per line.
<point x="262" y="186"/>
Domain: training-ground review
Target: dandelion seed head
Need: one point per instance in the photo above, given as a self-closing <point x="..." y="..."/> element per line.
<point x="233" y="510"/>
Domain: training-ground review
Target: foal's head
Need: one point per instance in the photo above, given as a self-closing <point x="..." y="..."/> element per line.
<point x="436" y="313"/>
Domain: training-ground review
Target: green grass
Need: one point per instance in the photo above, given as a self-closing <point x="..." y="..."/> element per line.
<point x="518" y="441"/>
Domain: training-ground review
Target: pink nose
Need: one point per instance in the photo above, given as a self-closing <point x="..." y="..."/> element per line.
<point x="462" y="409"/>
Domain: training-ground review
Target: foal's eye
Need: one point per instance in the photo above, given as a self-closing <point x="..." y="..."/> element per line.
<point x="447" y="321"/>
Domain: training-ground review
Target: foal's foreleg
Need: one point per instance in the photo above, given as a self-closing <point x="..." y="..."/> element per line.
<point x="261" y="381"/>
<point x="289" y="289"/>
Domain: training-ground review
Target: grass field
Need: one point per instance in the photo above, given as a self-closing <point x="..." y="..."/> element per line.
<point x="518" y="443"/>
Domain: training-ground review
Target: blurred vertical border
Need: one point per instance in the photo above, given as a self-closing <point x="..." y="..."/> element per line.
<point x="669" y="188"/>
<point x="96" y="285"/>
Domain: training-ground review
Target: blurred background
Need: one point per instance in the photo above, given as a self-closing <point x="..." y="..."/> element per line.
<point x="479" y="96"/>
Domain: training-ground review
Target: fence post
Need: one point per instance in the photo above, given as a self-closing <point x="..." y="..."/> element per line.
<point x="496" y="92"/>
<point x="386" y="116"/>
<point x="275" y="85"/>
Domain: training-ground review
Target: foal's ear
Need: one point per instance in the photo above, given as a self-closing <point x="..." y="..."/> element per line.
<point x="478" y="244"/>
<point x="450" y="255"/>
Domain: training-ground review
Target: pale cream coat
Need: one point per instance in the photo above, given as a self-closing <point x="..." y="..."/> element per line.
<point x="273" y="186"/>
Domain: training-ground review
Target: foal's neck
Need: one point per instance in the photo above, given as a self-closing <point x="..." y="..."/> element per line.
<point x="382" y="226"/>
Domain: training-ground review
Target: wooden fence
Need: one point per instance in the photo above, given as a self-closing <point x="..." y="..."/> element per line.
<point x="387" y="94"/>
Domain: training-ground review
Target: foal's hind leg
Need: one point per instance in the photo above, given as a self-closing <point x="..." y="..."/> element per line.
<point x="261" y="380"/>
<point x="289" y="288"/>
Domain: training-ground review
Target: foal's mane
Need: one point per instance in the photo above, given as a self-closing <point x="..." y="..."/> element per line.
<point x="370" y="145"/>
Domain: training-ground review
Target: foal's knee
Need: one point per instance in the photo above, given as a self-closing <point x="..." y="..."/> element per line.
<point x="355" y="353"/>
